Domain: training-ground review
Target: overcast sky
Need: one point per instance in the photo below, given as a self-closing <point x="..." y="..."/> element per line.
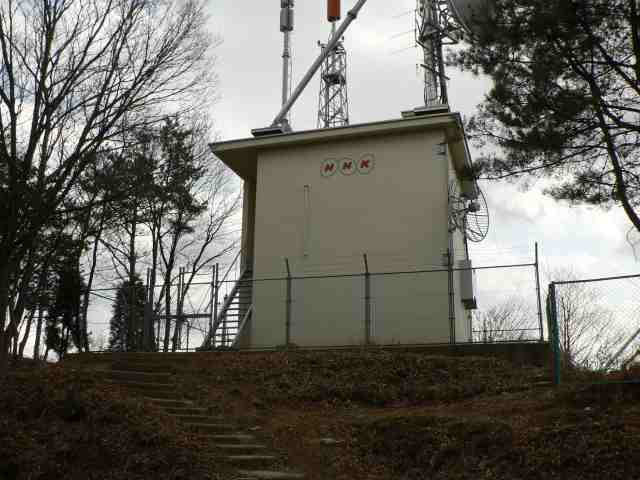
<point x="383" y="81"/>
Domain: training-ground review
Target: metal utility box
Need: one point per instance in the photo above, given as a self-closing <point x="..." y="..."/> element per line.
<point x="467" y="285"/>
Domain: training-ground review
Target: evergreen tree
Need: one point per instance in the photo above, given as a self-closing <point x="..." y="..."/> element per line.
<point x="126" y="326"/>
<point x="565" y="100"/>
<point x="63" y="327"/>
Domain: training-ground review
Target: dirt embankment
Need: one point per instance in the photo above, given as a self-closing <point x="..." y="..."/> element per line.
<point x="61" y="423"/>
<point x="410" y="416"/>
<point x="371" y="415"/>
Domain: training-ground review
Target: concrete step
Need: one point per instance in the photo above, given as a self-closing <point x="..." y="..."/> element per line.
<point x="169" y="403"/>
<point x="238" y="438"/>
<point x="250" y="460"/>
<point x="185" y="410"/>
<point x="155" y="390"/>
<point x="149" y="386"/>
<point x="146" y="367"/>
<point x="239" y="447"/>
<point x="209" y="427"/>
<point x="198" y="419"/>
<point x="158" y="395"/>
<point x="270" y="475"/>
<point x="133" y="376"/>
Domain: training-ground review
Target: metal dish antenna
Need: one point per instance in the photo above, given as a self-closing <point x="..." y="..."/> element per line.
<point x="468" y="212"/>
<point x="633" y="239"/>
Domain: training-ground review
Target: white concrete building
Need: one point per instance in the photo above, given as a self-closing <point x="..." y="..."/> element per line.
<point x="322" y="199"/>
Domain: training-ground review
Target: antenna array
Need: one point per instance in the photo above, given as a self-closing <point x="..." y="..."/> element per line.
<point x="435" y="27"/>
<point x="333" y="102"/>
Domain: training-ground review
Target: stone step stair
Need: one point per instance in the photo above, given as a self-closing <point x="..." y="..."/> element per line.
<point x="197" y="419"/>
<point x="269" y="475"/>
<point x="133" y="376"/>
<point x="208" y="428"/>
<point x="231" y="437"/>
<point x="154" y="390"/>
<point x="169" y="403"/>
<point x="239" y="447"/>
<point x="142" y="366"/>
<point x="185" y="411"/>
<point x="236" y="448"/>
<point x="250" y="460"/>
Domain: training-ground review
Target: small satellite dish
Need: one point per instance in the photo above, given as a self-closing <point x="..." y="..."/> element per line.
<point x="468" y="12"/>
<point x="633" y="239"/>
<point x="469" y="215"/>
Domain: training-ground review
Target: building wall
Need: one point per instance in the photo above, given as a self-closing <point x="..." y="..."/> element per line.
<point x="396" y="214"/>
<point x="248" y="222"/>
<point x="458" y="253"/>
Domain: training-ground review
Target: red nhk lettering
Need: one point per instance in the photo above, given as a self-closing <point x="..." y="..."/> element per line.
<point x="329" y="167"/>
<point x="347" y="166"/>
<point x="365" y="163"/>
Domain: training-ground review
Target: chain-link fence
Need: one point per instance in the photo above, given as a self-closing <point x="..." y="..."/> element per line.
<point x="230" y="307"/>
<point x="594" y="324"/>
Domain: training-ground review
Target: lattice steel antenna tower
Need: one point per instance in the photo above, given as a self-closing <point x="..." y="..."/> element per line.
<point x="435" y="27"/>
<point x="333" y="110"/>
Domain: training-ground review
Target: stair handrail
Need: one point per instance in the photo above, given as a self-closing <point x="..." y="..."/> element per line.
<point x="227" y="303"/>
<point x="241" y="326"/>
<point x="210" y="340"/>
<point x="235" y="260"/>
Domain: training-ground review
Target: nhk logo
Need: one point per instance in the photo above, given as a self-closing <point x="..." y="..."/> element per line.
<point x="348" y="166"/>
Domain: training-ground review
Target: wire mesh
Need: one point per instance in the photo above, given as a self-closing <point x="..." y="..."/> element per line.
<point x="349" y="302"/>
<point x="598" y="321"/>
<point x="507" y="305"/>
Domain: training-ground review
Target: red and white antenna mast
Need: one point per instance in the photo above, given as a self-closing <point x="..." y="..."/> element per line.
<point x="333" y="109"/>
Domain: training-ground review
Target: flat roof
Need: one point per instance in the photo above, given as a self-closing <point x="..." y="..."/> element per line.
<point x="242" y="155"/>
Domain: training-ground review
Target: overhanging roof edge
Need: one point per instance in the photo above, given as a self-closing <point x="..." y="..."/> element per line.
<point x="241" y="154"/>
<point x="309" y="136"/>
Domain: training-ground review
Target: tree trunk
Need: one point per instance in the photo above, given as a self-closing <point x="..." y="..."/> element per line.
<point x="26" y="335"/>
<point x="87" y="293"/>
<point x="178" y="328"/>
<point x="14" y="342"/>
<point x="36" y="346"/>
<point x="132" y="338"/>
<point x="4" y="310"/>
<point x="167" y="310"/>
<point x="149" y="306"/>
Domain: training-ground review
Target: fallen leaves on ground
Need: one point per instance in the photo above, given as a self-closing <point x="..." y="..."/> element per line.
<point x="61" y="423"/>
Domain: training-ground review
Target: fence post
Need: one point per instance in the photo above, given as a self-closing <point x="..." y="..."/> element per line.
<point x="537" y="267"/>
<point x="367" y="302"/>
<point x="214" y="305"/>
<point x="147" y="327"/>
<point x="288" y="305"/>
<point x="554" y="332"/>
<point x="180" y="306"/>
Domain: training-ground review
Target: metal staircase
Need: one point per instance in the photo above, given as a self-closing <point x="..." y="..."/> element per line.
<point x="234" y="314"/>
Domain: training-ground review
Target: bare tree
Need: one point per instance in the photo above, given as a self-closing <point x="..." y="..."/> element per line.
<point x="71" y="71"/>
<point x="587" y="331"/>
<point x="179" y="209"/>
<point x="182" y="235"/>
<point x="509" y="320"/>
